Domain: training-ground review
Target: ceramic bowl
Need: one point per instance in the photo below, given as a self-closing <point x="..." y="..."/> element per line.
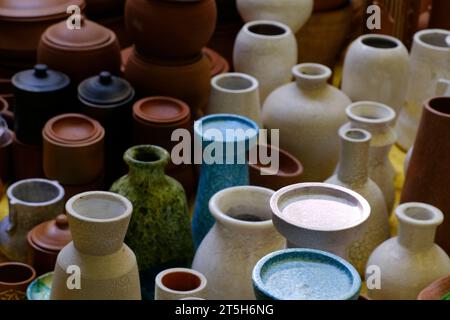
<point x="178" y="283"/>
<point x="14" y="280"/>
<point x="41" y="287"/>
<point x="304" y="274"/>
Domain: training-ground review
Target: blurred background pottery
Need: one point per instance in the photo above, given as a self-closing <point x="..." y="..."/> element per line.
<point x="438" y="290"/>
<point x="179" y="283"/>
<point x="224" y="37"/>
<point x="40" y="288"/>
<point x="14" y="280"/>
<point x="6" y="110"/>
<point x="27" y="161"/>
<point x="6" y="141"/>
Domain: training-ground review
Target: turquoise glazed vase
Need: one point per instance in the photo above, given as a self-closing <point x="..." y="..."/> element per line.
<point x="224" y="140"/>
<point x="159" y="232"/>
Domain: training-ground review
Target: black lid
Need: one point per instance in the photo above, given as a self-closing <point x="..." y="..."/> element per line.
<point x="105" y="89"/>
<point x="40" y="79"/>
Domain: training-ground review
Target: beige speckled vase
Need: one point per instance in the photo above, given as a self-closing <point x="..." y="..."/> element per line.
<point x="107" y="267"/>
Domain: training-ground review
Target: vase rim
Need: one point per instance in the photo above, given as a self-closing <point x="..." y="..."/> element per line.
<point x="418" y="38"/>
<point x="395" y="41"/>
<point x="312" y="71"/>
<point x="201" y="286"/>
<point x="429" y="105"/>
<point x="13" y="199"/>
<point x="419" y="214"/>
<point x="161" y="156"/>
<point x="356" y="135"/>
<point x="253" y="82"/>
<point x="275" y="24"/>
<point x="25" y="267"/>
<point x="385" y="113"/>
<point x="284" y="157"/>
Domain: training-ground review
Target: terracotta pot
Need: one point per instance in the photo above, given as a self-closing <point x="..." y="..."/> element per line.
<point x="436" y="291"/>
<point x="170" y="29"/>
<point x="178" y="283"/>
<point x="429" y="165"/>
<point x="222" y="41"/>
<point x="328" y="5"/>
<point x="439" y="14"/>
<point x="187" y="81"/>
<point x="73" y="149"/>
<point x="14" y="280"/>
<point x="27" y="161"/>
<point x="289" y="171"/>
<point x="80" y="53"/>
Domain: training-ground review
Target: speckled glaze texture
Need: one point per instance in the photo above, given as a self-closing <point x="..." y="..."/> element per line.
<point x="318" y="276"/>
<point x="159" y="231"/>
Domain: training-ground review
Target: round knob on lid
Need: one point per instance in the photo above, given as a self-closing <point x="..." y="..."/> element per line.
<point x="40" y="70"/>
<point x="62" y="222"/>
<point x="105" y="77"/>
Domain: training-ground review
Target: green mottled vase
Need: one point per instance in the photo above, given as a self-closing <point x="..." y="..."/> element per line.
<point x="160" y="231"/>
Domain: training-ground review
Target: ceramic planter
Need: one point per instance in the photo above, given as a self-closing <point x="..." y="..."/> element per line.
<point x="429" y="62"/>
<point x="98" y="223"/>
<point x="377" y="69"/>
<point x="170" y="29"/>
<point x="180" y="284"/>
<point x="377" y="118"/>
<point x="277" y="276"/>
<point x="160" y="232"/>
<point x="425" y="177"/>
<point x="31" y="202"/>
<point x="410" y="262"/>
<point x="311" y="109"/>
<point x="438" y="290"/>
<point x="293" y="13"/>
<point x="266" y="50"/>
<point x="323" y="217"/>
<point x="27" y="160"/>
<point x="353" y="173"/>
<point x="6" y="141"/>
<point x="242" y="235"/>
<point x="14" y="280"/>
<point x="233" y="166"/>
<point x="235" y="93"/>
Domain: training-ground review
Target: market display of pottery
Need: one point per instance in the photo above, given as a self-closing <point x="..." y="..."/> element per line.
<point x="224" y="150"/>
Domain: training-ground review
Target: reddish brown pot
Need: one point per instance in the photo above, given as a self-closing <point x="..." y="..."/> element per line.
<point x="6" y="141"/>
<point x="80" y="53"/>
<point x="436" y="291"/>
<point x="188" y="81"/>
<point x="429" y="169"/>
<point x="73" y="149"/>
<point x="27" y="161"/>
<point x="14" y="280"/>
<point x="289" y="172"/>
<point x="440" y="14"/>
<point x="327" y="5"/>
<point x="170" y="29"/>
<point x="223" y="40"/>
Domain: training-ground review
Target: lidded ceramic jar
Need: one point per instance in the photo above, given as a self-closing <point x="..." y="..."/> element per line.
<point x="39" y="93"/>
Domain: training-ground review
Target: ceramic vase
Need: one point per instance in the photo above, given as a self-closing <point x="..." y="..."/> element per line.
<point x="107" y="267"/>
<point x="428" y="167"/>
<point x="377" y="118"/>
<point x="243" y="234"/>
<point x="235" y="93"/>
<point x="223" y="168"/>
<point x="31" y="202"/>
<point x="159" y="232"/>
<point x="376" y="68"/>
<point x="353" y="173"/>
<point x="14" y="280"/>
<point x="429" y="62"/>
<point x="179" y="284"/>
<point x="313" y="110"/>
<point x="408" y="263"/>
<point x="293" y="13"/>
<point x="266" y="50"/>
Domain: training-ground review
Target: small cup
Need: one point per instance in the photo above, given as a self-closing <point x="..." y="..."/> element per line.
<point x="14" y="280"/>
<point x="179" y="283"/>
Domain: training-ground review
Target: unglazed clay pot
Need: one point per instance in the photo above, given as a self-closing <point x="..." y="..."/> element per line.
<point x="160" y="232"/>
<point x="408" y="263"/>
<point x="14" y="280"/>
<point x="377" y="69"/>
<point x="266" y="50"/>
<point x="293" y="13"/>
<point x="429" y="62"/>
<point x="353" y="173"/>
<point x="6" y="141"/>
<point x="180" y="284"/>
<point x="313" y="110"/>
<point x="108" y="270"/>
<point x="428" y="167"/>
<point x="188" y="81"/>
<point x="170" y="29"/>
<point x="80" y="53"/>
<point x="377" y="118"/>
<point x="438" y="290"/>
<point x="27" y="160"/>
<point x="31" y="202"/>
<point x="242" y="235"/>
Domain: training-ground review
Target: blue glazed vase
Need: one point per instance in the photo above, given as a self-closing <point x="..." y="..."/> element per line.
<point x="224" y="168"/>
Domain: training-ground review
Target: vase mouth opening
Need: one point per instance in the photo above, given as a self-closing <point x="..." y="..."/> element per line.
<point x="16" y="273"/>
<point x="35" y="192"/>
<point x="267" y="29"/>
<point x="380" y="41"/>
<point x="439" y="105"/>
<point x="438" y="39"/>
<point x="181" y="280"/>
<point x="234" y="82"/>
<point x="354" y="135"/>
<point x="416" y="213"/>
<point x="146" y="156"/>
<point x="370" y="112"/>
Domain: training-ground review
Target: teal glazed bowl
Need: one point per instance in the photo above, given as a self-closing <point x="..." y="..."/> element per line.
<point x="305" y="274"/>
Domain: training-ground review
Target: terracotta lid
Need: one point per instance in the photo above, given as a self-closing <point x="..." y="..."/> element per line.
<point x="52" y="235"/>
<point x="161" y="110"/>
<point x="36" y="10"/>
<point x="40" y="79"/>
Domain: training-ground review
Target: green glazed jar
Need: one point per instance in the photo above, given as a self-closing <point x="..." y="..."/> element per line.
<point x="160" y="230"/>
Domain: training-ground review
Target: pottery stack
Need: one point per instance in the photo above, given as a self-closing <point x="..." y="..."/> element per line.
<point x="167" y="59"/>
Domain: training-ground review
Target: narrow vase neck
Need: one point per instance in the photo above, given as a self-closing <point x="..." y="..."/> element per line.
<point x="416" y="237"/>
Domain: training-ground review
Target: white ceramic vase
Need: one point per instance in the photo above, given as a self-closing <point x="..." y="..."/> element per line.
<point x="308" y="113"/>
<point x="376" y="68"/>
<point x="235" y="93"/>
<point x="180" y="284"/>
<point x="242" y="235"/>
<point x="293" y="13"/>
<point x="267" y="50"/>
<point x="429" y="62"/>
<point x="408" y="263"/>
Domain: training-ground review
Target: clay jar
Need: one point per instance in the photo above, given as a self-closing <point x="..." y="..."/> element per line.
<point x="80" y="53"/>
<point x="170" y="29"/>
<point x="73" y="149"/>
<point x="14" y="280"/>
<point x="188" y="81"/>
<point x="6" y="140"/>
<point x="45" y="241"/>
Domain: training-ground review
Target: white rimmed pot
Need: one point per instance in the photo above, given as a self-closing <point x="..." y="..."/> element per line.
<point x="242" y="235"/>
<point x="31" y="202"/>
<point x="267" y="50"/>
<point x="180" y="284"/>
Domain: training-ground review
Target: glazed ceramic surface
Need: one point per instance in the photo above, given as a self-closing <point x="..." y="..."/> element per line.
<point x="41" y="287"/>
<point x="14" y="279"/>
<point x="313" y="110"/>
<point x="180" y="284"/>
<point x="410" y="262"/>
